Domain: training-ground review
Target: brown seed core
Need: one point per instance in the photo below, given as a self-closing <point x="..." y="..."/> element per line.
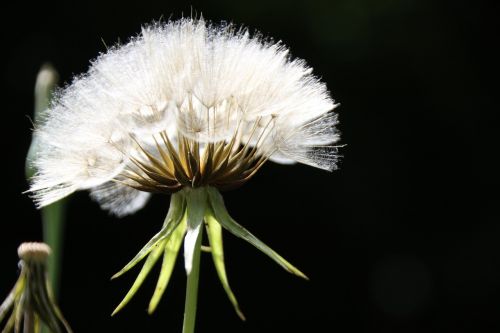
<point x="225" y="165"/>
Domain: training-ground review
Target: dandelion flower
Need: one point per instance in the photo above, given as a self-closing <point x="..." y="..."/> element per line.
<point x="186" y="108"/>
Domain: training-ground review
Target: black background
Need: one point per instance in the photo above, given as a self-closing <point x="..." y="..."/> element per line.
<point x="403" y="238"/>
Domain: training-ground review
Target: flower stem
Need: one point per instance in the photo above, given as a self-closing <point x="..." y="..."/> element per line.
<point x="53" y="233"/>
<point x="53" y="215"/>
<point x="192" y="289"/>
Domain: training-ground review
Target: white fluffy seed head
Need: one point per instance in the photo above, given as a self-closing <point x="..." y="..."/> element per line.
<point x="187" y="79"/>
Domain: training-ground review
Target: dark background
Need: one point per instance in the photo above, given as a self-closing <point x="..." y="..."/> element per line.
<point x="403" y="238"/>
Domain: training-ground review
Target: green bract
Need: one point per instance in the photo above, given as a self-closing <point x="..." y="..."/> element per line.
<point x="188" y="209"/>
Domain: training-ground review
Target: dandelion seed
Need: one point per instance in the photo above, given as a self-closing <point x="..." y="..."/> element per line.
<point x="186" y="108"/>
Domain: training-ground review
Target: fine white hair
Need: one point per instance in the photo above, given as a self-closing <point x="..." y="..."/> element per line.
<point x="206" y="82"/>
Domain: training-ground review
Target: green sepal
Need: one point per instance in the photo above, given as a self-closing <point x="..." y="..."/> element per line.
<point x="42" y="301"/>
<point x="146" y="268"/>
<point x="214" y="232"/>
<point x="223" y="217"/>
<point x="7" y="304"/>
<point x="10" y="323"/>
<point x="169" y="257"/>
<point x="19" y="312"/>
<point x="174" y="217"/>
<point x="196" y="203"/>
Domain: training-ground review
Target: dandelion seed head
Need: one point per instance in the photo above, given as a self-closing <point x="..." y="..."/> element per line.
<point x="185" y="103"/>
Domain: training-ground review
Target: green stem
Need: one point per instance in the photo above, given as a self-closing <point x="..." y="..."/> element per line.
<point x="192" y="288"/>
<point x="53" y="229"/>
<point x="52" y="216"/>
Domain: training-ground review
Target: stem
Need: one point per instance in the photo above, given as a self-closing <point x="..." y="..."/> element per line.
<point x="52" y="216"/>
<point x="53" y="229"/>
<point x="192" y="289"/>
